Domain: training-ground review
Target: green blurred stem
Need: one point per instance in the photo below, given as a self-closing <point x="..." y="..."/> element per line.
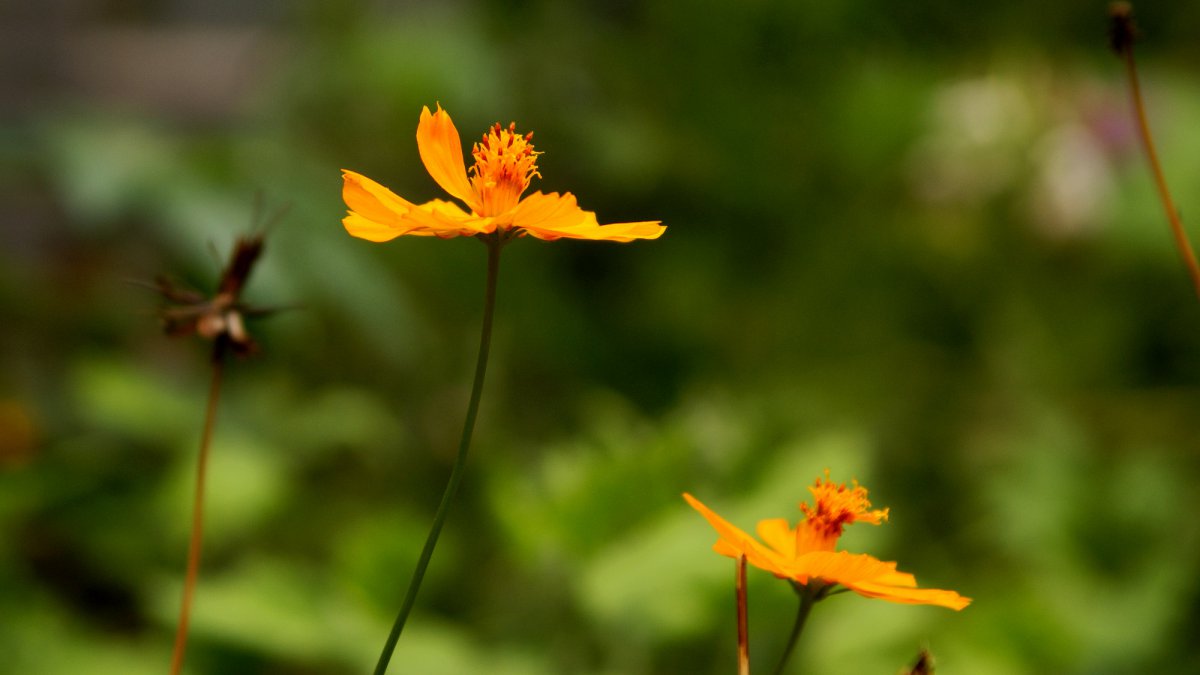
<point x="494" y="243"/>
<point x="810" y="594"/>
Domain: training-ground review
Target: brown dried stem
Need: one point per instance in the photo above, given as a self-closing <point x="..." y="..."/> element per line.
<point x="1122" y="35"/>
<point x="743" y="621"/>
<point x="197" y="537"/>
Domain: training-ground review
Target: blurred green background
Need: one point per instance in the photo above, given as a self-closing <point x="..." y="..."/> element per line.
<point x="912" y="242"/>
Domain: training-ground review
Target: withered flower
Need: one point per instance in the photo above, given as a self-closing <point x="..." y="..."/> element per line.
<point x="220" y="318"/>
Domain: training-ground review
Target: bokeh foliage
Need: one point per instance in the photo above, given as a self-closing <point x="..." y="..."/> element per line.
<point x="914" y="243"/>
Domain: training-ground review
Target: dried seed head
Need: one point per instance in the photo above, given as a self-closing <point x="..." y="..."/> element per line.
<point x="1121" y="29"/>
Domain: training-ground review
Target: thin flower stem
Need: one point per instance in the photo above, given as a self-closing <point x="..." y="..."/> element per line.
<point x="193" y="564"/>
<point x="1160" y="181"/>
<point x="809" y="596"/>
<point x="743" y="621"/>
<point x="456" y="473"/>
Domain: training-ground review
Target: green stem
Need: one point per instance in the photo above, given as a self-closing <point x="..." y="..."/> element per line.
<point x="810" y="595"/>
<point x="494" y="243"/>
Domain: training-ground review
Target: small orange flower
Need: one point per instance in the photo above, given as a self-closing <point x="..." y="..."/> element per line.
<point x="806" y="552"/>
<point x="505" y="163"/>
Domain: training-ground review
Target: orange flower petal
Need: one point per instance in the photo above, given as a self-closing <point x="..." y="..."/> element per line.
<point x="726" y="549"/>
<point x="446" y="219"/>
<point x="873" y="578"/>
<point x="776" y="533"/>
<point x="841" y="566"/>
<point x="377" y="214"/>
<point x="441" y="151"/>
<point x="896" y="578"/>
<point x="911" y="596"/>
<point x="372" y="200"/>
<point x="735" y="542"/>
<point x="365" y="228"/>
<point x="553" y="216"/>
<point x="723" y="527"/>
<point x="618" y="232"/>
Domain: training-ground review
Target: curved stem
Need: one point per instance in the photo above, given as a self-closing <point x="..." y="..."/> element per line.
<point x="485" y="337"/>
<point x="1160" y="181"/>
<point x="809" y="596"/>
<point x="193" y="564"/>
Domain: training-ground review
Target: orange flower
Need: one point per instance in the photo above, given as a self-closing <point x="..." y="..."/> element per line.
<point x="505" y="163"/>
<point x="806" y="552"/>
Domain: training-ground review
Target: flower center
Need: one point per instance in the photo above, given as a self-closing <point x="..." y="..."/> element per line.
<point x="835" y="507"/>
<point x="504" y="164"/>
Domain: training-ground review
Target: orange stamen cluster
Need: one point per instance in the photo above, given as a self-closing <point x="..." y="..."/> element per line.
<point x="836" y="507"/>
<point x="505" y="163"/>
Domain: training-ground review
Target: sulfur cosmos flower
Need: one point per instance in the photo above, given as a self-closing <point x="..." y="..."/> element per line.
<point x="505" y="163"/>
<point x="806" y="553"/>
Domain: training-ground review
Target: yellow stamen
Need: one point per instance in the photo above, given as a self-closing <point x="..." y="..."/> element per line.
<point x="836" y="507"/>
<point x="505" y="162"/>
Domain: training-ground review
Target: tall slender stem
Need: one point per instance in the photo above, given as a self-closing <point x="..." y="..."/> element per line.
<point x="743" y="620"/>
<point x="193" y="564"/>
<point x="1160" y="181"/>
<point x="809" y="595"/>
<point x="494" y="244"/>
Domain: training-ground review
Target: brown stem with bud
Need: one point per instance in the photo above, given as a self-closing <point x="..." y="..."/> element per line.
<point x="1122" y="36"/>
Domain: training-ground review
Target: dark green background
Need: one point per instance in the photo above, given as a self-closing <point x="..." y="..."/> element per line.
<point x="914" y="243"/>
